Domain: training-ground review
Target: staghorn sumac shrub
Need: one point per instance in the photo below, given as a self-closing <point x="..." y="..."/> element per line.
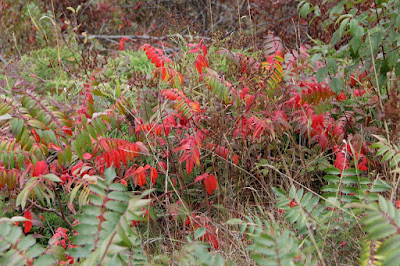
<point x="201" y="144"/>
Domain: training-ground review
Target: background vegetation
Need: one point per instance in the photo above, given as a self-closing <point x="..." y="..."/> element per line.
<point x="199" y="132"/>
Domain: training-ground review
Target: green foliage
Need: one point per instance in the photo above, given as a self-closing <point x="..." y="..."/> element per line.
<point x="352" y="185"/>
<point x="104" y="232"/>
<point x="103" y="235"/>
<point x="196" y="253"/>
<point x="307" y="208"/>
<point x="382" y="225"/>
<point x="275" y="246"/>
<point x="270" y="244"/>
<point x="126" y="62"/>
<point x="51" y="65"/>
<point x="26" y="112"/>
<point x="369" y="35"/>
<point x="321" y="225"/>
<point x="389" y="151"/>
<point x="17" y="249"/>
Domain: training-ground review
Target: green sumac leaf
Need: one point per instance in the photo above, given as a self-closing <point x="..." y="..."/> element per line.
<point x="86" y="229"/>
<point x="321" y="74"/>
<point x="77" y="149"/>
<point x="381" y="231"/>
<point x="234" y="221"/>
<point x="117" y="187"/>
<point x="279" y="192"/>
<point x="397" y="68"/>
<point x="35" y="251"/>
<point x="390" y="245"/>
<point x="395" y="160"/>
<point x="52" y="177"/>
<point x="73" y="192"/>
<point x="95" y="200"/>
<point x="335" y="37"/>
<point x="382" y="150"/>
<point x="353" y="26"/>
<point x="357" y="39"/>
<point x="332" y="178"/>
<point x="376" y="145"/>
<point x="343" y="26"/>
<point x="317" y="11"/>
<point x="336" y="85"/>
<point x="304" y="10"/>
<point x="380" y="186"/>
<point x="118" y="195"/>
<point x="376" y="36"/>
<point x="46" y="259"/>
<point x="98" y="190"/>
<point x="199" y="232"/>
<point x="110" y="174"/>
<point x="388" y="155"/>
<point x="26" y="242"/>
<point x="116" y="206"/>
<point x="89" y="219"/>
<point x="332" y="171"/>
<point x="37" y="124"/>
<point x="332" y="65"/>
<point x="351" y="172"/>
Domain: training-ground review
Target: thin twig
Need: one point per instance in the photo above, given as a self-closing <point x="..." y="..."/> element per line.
<point x="50" y="210"/>
<point x="142" y="37"/>
<point x="61" y="208"/>
<point x="3" y="60"/>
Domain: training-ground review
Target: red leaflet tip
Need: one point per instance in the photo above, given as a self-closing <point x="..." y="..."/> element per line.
<point x="27" y="224"/>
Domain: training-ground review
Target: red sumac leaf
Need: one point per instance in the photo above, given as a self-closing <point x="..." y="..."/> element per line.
<point x="117" y="159"/>
<point x="201" y="177"/>
<point x="122" y="43"/>
<point x="212" y="240"/>
<point x="162" y="165"/>
<point x="141" y="178"/>
<point x="210" y="183"/>
<point x="35" y="135"/>
<point x="189" y="165"/>
<point x="363" y="164"/>
<point x="153" y="175"/>
<point x="67" y="130"/>
<point x="40" y="168"/>
<point x="236" y="159"/>
<point x="87" y="156"/>
<point x="139" y="170"/>
<point x="323" y="140"/>
<point x="54" y="147"/>
<point x="27" y="224"/>
<point x="341" y="161"/>
<point x="201" y="63"/>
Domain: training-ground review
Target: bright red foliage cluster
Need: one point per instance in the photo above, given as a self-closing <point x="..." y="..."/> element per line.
<point x="161" y="63"/>
<point x="27" y="224"/>
<point x="156" y="55"/>
<point x="138" y="174"/>
<point x="191" y="150"/>
<point x="109" y="151"/>
<point x="200" y="61"/>
<point x="60" y="238"/>
<point x="345" y="154"/>
<point x="122" y="43"/>
<point x="209" y="181"/>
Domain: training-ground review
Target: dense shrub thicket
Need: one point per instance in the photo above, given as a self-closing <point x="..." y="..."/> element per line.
<point x="182" y="148"/>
